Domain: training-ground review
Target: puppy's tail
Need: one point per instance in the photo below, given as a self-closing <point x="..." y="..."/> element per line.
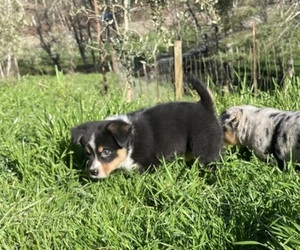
<point x="206" y="98"/>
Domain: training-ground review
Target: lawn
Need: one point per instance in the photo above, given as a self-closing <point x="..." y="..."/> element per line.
<point x="49" y="203"/>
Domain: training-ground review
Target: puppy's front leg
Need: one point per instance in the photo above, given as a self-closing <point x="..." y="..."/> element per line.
<point x="269" y="158"/>
<point x="261" y="154"/>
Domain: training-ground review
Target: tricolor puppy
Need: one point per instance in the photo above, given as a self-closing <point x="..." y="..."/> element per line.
<point x="265" y="130"/>
<point x="140" y="139"/>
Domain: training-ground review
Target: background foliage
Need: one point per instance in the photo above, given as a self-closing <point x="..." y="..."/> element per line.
<point x="68" y="35"/>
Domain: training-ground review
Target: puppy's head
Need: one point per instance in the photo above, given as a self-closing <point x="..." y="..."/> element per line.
<point x="105" y="144"/>
<point x="230" y="119"/>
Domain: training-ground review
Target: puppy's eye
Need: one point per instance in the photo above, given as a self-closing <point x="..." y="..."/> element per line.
<point x="105" y="153"/>
<point x="234" y="120"/>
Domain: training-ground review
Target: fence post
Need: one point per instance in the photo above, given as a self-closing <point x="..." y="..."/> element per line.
<point x="178" y="69"/>
<point x="254" y="56"/>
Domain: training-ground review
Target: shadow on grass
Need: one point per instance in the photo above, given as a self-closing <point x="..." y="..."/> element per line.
<point x="164" y="190"/>
<point x="245" y="154"/>
<point x="75" y="159"/>
<point x="9" y="165"/>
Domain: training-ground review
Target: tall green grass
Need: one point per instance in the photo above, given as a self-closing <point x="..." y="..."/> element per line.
<point x="47" y="202"/>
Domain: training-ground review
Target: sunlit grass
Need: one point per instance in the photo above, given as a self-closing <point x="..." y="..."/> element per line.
<point x="47" y="202"/>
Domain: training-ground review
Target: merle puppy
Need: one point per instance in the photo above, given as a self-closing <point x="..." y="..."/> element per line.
<point x="267" y="131"/>
<point x="140" y="139"/>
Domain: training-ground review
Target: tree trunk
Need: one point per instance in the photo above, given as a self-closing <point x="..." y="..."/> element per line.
<point x="100" y="45"/>
<point x="129" y="91"/>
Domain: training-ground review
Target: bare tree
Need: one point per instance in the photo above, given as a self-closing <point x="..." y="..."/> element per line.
<point x="83" y="25"/>
<point x="11" y="17"/>
<point x="50" y="20"/>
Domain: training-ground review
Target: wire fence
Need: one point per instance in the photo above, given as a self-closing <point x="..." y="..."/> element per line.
<point x="228" y="70"/>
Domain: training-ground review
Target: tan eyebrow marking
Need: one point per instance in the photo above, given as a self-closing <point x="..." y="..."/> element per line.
<point x="100" y="149"/>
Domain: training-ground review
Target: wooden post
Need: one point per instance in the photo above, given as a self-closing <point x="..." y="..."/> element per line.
<point x="254" y="56"/>
<point x="228" y="68"/>
<point x="178" y="69"/>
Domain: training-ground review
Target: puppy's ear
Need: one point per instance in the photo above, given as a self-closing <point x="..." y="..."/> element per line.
<point x="120" y="131"/>
<point x="76" y="135"/>
<point x="232" y="117"/>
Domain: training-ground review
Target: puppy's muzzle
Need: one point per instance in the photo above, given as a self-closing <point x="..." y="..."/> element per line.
<point x="94" y="172"/>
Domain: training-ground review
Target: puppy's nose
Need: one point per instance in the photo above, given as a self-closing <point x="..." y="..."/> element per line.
<point x="94" y="172"/>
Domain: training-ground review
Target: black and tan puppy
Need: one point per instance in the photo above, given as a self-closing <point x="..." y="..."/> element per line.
<point x="140" y="139"/>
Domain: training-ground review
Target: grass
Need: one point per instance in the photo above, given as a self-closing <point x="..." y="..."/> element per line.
<point x="49" y="203"/>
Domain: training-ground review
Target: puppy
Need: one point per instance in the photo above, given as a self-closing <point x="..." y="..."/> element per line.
<point x="265" y="130"/>
<point x="140" y="139"/>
